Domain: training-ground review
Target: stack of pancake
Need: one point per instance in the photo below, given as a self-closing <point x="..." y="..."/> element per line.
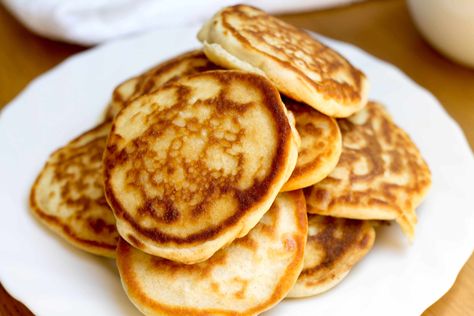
<point x="230" y="177"/>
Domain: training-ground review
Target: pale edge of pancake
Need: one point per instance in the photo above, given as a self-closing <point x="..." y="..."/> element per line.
<point x="124" y="89"/>
<point x="53" y="224"/>
<point x="227" y="51"/>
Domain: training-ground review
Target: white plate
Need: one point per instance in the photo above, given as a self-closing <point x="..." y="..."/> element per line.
<point x="53" y="278"/>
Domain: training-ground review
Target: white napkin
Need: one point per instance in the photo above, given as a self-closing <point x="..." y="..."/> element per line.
<point x="89" y="22"/>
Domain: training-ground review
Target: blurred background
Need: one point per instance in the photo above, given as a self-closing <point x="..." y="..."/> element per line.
<point x="440" y="57"/>
<point x="432" y="41"/>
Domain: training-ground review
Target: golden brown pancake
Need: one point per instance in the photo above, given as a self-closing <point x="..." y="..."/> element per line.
<point x="68" y="195"/>
<point x="333" y="247"/>
<point x="320" y="146"/>
<point x="246" y="278"/>
<point x="243" y="37"/>
<point x="181" y="65"/>
<point x="380" y="175"/>
<point x="196" y="164"/>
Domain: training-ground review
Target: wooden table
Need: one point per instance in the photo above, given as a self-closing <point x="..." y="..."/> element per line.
<point x="382" y="28"/>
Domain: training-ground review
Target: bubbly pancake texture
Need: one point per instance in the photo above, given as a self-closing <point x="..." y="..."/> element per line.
<point x="68" y="195"/>
<point x="246" y="278"/>
<point x="181" y="65"/>
<point x="380" y="175"/>
<point x="196" y="164"/>
<point x="333" y="247"/>
<point x="320" y="147"/>
<point x="243" y="37"/>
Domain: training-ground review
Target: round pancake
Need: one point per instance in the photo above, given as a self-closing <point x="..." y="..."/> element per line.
<point x="68" y="195"/>
<point x="184" y="64"/>
<point x="243" y="37"/>
<point x="246" y="278"/>
<point x="196" y="164"/>
<point x="320" y="146"/>
<point x="333" y="247"/>
<point x="380" y="175"/>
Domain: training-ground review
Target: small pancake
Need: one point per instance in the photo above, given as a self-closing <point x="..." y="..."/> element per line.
<point x="333" y="247"/>
<point x="243" y="37"/>
<point x="246" y="278"/>
<point x="320" y="146"/>
<point x="184" y="64"/>
<point x="68" y="195"/>
<point x="380" y="175"/>
<point x="196" y="164"/>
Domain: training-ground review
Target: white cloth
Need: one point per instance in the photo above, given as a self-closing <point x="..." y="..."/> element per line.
<point x="89" y="22"/>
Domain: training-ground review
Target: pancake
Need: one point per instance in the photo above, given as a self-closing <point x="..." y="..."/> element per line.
<point x="380" y="175"/>
<point x="121" y="95"/>
<point x="68" y="195"/>
<point x="333" y="247"/>
<point x="243" y="37"/>
<point x="196" y="164"/>
<point x="246" y="278"/>
<point x="184" y="64"/>
<point x="320" y="146"/>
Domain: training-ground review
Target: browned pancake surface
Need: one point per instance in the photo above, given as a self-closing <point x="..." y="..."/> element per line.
<point x="246" y="278"/>
<point x="181" y="65"/>
<point x="320" y="146"/>
<point x="308" y="71"/>
<point x="68" y="194"/>
<point x="380" y="175"/>
<point x="197" y="161"/>
<point x="333" y="247"/>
